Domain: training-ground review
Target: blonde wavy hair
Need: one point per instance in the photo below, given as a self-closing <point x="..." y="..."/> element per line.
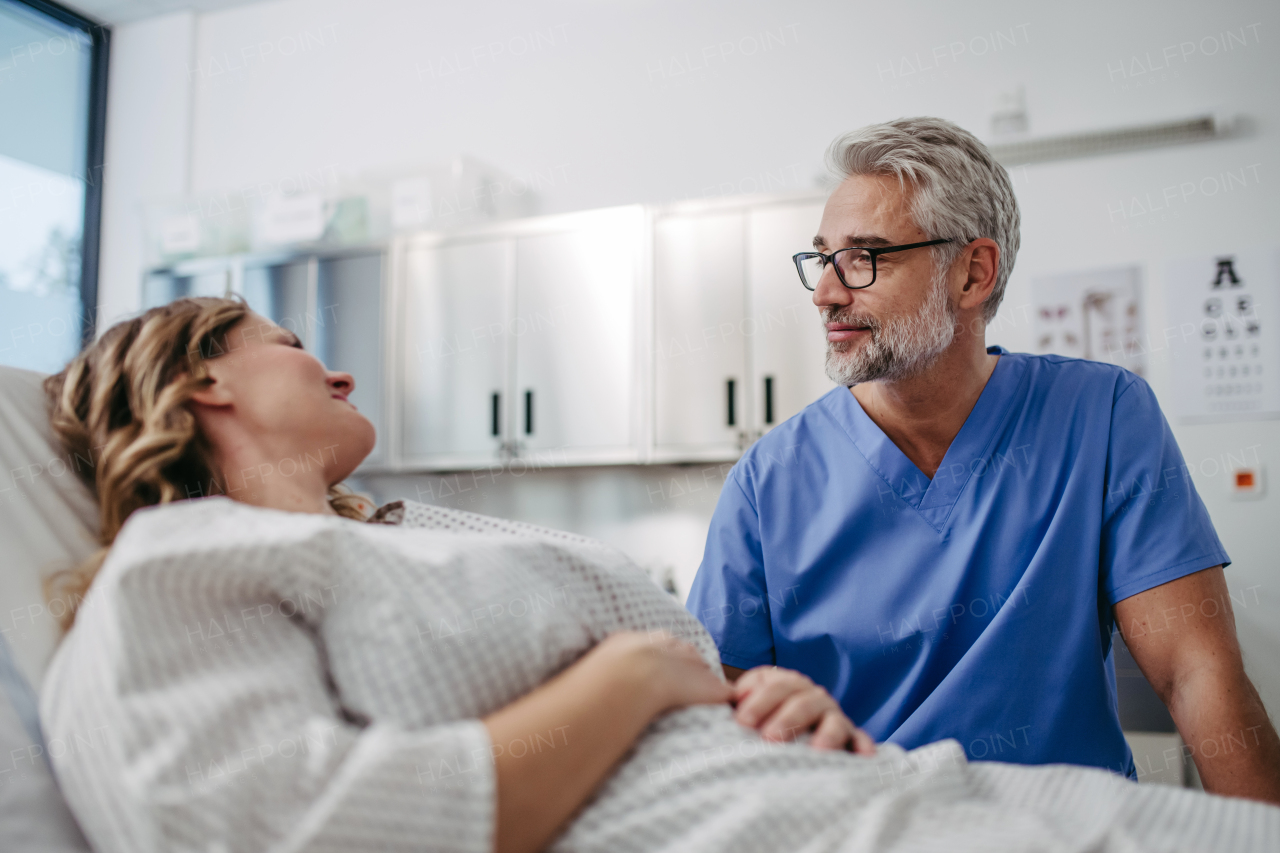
<point x="122" y="404"/>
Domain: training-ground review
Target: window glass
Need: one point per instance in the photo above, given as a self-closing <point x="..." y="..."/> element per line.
<point x="45" y="75"/>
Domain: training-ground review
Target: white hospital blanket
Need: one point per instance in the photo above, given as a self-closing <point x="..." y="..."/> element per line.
<point x="242" y="679"/>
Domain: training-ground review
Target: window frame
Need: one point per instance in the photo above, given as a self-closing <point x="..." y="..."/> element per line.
<point x="91" y="227"/>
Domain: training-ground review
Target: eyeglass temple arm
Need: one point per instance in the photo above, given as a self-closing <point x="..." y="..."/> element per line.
<point x="886" y="251"/>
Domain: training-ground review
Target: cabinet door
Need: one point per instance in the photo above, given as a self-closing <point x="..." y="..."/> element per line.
<point x="161" y="288"/>
<point x="574" y="335"/>
<point x="454" y="351"/>
<point x="349" y="331"/>
<point x="282" y="293"/>
<point x="788" y="342"/>
<point x="700" y="402"/>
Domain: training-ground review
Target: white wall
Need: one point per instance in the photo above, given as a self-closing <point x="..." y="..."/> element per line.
<point x="628" y="101"/>
<point x="148" y="147"/>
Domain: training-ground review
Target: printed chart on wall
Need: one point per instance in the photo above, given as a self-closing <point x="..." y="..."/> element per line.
<point x="1095" y="315"/>
<point x="1224" y="314"/>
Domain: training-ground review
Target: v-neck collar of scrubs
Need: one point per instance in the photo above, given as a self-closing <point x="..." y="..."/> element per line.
<point x="934" y="499"/>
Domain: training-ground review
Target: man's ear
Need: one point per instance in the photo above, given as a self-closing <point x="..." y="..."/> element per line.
<point x="980" y="263"/>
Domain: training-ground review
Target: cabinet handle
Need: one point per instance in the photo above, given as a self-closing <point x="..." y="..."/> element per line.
<point x="528" y="412"/>
<point x="768" y="399"/>
<point x="733" y="419"/>
<point x="496" y="428"/>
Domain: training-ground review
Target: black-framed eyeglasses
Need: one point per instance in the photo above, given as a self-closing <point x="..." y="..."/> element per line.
<point x="855" y="266"/>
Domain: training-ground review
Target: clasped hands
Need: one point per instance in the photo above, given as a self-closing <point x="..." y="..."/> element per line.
<point x="781" y="704"/>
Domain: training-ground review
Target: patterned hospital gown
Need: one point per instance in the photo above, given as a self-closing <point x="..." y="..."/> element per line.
<point x="243" y="679"/>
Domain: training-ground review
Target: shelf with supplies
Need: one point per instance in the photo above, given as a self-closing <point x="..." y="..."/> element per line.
<point x="639" y="334"/>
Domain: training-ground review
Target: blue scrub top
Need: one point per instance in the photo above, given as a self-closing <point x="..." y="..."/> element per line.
<point x="975" y="606"/>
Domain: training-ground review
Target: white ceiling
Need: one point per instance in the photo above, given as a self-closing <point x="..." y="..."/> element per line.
<point x="125" y="11"/>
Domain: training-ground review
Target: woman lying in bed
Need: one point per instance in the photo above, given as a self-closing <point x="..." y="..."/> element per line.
<point x="263" y="669"/>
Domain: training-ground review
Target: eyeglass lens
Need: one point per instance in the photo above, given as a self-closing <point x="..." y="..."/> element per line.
<point x="856" y="266"/>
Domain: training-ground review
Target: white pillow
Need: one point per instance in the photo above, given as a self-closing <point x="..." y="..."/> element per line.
<point x="48" y="519"/>
<point x="33" y="816"/>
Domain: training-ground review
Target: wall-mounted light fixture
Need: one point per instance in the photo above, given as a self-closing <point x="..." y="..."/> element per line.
<point x="1096" y="143"/>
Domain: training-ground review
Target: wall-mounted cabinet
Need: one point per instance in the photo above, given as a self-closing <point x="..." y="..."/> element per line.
<point x="574" y="334"/>
<point x="519" y="340"/>
<point x="738" y="346"/>
<point x="350" y="323"/>
<point x="700" y="395"/>
<point x="456" y="297"/>
<point x="210" y="277"/>
<point x="787" y="341"/>
<point x="283" y="292"/>
<point x="677" y="333"/>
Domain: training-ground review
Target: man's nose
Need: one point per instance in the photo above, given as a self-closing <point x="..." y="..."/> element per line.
<point x="830" y="291"/>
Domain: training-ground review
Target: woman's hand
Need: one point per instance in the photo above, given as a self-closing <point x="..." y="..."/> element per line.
<point x="672" y="671"/>
<point x="598" y="706"/>
<point x="783" y="703"/>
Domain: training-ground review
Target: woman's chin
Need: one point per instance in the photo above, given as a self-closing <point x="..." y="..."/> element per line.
<point x="362" y="440"/>
<point x="348" y="445"/>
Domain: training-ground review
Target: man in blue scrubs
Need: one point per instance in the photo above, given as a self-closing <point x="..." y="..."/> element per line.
<point x="946" y="541"/>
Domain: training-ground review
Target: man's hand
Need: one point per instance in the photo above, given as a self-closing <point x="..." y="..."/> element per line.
<point x="783" y="703"/>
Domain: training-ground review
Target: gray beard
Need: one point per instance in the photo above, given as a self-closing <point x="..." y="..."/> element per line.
<point x="900" y="347"/>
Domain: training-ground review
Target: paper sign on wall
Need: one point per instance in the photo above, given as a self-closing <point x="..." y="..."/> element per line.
<point x="1225" y="355"/>
<point x="180" y="234"/>
<point x="410" y="203"/>
<point x="1095" y="315"/>
<point x="291" y="218"/>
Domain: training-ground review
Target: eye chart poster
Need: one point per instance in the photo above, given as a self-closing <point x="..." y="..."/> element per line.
<point x="1095" y="315"/>
<point x="1222" y="313"/>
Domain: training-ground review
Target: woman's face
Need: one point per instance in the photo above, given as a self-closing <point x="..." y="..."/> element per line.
<point x="269" y="391"/>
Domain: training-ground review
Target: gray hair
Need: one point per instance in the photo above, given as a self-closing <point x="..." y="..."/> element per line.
<point x="959" y="190"/>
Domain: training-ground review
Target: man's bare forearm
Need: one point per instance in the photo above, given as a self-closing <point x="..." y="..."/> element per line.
<point x="1183" y="636"/>
<point x="1235" y="747"/>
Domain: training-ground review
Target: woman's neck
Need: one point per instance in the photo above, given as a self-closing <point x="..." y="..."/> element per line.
<point x="276" y="481"/>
